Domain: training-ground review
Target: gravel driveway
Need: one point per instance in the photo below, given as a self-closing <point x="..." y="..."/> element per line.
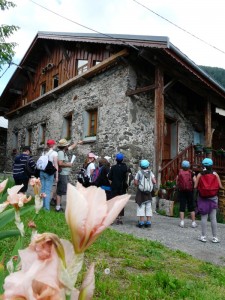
<point x="166" y="230"/>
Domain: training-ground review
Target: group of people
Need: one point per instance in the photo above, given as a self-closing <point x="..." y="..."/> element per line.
<point x="199" y="194"/>
<point x="113" y="179"/>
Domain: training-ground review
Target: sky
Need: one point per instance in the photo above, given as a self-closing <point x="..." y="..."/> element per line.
<point x="202" y="18"/>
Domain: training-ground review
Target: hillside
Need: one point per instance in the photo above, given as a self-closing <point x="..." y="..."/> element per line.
<point x="217" y="74"/>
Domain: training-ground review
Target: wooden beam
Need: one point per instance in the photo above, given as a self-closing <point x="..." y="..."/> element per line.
<point x="140" y="90"/>
<point x="159" y="119"/>
<point x="169" y="85"/>
<point x="29" y="69"/>
<point x="208" y="124"/>
<point x="15" y="91"/>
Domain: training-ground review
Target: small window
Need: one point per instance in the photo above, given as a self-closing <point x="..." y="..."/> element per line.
<point x="42" y="134"/>
<point x="90" y="124"/>
<point x="96" y="62"/>
<point x="67" y="127"/>
<point x="55" y="81"/>
<point x="82" y="66"/>
<point x="28" y="137"/>
<point x="43" y="88"/>
<point x="15" y="140"/>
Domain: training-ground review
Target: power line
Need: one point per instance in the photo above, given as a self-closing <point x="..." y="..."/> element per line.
<point x="84" y="26"/>
<point x="196" y="37"/>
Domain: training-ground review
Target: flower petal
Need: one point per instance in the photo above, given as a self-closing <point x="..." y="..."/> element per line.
<point x="88" y="285"/>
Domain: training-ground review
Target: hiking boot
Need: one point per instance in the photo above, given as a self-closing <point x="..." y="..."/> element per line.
<point x="140" y="225"/>
<point x="194" y="224"/>
<point x="148" y="225"/>
<point x="182" y="223"/>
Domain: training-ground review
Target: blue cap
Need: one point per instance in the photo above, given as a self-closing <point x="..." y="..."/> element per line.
<point x="119" y="156"/>
<point x="185" y="164"/>
<point x="207" y="162"/>
<point x="144" y="163"/>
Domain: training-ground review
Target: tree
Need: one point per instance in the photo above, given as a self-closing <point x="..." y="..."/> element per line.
<point x="6" y="49"/>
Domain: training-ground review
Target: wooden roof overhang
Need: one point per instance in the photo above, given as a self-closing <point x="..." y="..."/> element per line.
<point x="173" y="61"/>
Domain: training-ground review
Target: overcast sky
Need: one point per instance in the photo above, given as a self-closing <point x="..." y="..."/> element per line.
<point x="203" y="18"/>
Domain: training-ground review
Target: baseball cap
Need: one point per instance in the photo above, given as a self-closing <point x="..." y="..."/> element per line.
<point x="185" y="164"/>
<point x="119" y="156"/>
<point x="51" y="142"/>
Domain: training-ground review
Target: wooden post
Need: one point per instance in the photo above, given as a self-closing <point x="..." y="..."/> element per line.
<point x="159" y="120"/>
<point x="208" y="124"/>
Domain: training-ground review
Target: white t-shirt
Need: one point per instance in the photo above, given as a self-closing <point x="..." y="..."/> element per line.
<point x="51" y="155"/>
<point x="90" y="167"/>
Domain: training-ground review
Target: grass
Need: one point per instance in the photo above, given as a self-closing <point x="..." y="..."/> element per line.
<point x="139" y="268"/>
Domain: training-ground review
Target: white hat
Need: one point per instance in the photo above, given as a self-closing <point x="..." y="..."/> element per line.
<point x="108" y="158"/>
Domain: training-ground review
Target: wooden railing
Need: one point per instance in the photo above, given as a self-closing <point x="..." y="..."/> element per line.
<point x="170" y="169"/>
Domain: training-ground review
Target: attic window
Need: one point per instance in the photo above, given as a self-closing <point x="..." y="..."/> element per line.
<point x="55" y="81"/>
<point x="96" y="62"/>
<point x="82" y="66"/>
<point x="43" y="88"/>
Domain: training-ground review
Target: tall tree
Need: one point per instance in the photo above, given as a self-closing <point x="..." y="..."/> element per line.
<point x="6" y="49"/>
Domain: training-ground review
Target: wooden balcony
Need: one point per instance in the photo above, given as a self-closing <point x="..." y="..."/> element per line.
<point x="170" y="169"/>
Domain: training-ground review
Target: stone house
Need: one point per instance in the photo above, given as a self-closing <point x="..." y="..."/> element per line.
<point x="136" y="94"/>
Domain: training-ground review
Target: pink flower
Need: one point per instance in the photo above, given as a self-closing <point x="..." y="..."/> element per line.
<point x="15" y="199"/>
<point x="36" y="184"/>
<point x="88" y="213"/>
<point x="3" y="185"/>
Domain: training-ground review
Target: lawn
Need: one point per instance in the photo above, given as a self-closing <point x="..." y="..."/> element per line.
<point x="130" y="268"/>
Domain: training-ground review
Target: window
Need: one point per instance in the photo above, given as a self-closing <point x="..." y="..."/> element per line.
<point x="82" y="66"/>
<point x="43" y="88"/>
<point x="15" y="140"/>
<point x="28" y="139"/>
<point x="42" y="134"/>
<point x="67" y="127"/>
<point x="96" y="62"/>
<point x="90" y="124"/>
<point x="55" y="81"/>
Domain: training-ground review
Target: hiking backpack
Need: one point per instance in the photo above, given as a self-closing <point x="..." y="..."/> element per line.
<point x="83" y="178"/>
<point x="45" y="165"/>
<point x="185" y="182"/>
<point x="145" y="182"/>
<point x="208" y="185"/>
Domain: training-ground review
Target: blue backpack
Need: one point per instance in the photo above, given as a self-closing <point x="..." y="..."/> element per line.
<point x="95" y="174"/>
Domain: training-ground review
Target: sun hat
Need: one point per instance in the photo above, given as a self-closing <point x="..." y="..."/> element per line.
<point x="107" y="157"/>
<point x="63" y="143"/>
<point x="207" y="162"/>
<point x="185" y="164"/>
<point x="144" y="163"/>
<point x="119" y="156"/>
<point x="51" y="142"/>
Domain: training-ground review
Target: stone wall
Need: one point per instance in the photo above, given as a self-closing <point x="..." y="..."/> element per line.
<point x="3" y="139"/>
<point x="124" y="123"/>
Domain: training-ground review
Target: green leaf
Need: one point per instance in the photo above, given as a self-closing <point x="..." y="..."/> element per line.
<point x="8" y="215"/>
<point x="9" y="233"/>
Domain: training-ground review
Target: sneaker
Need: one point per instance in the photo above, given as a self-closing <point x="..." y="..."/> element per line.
<point x="182" y="223"/>
<point x="140" y="225"/>
<point x="148" y="224"/>
<point x="215" y="240"/>
<point x="194" y="224"/>
<point x="59" y="210"/>
<point x="202" y="239"/>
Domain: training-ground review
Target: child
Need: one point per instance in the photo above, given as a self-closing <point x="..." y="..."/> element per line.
<point x="208" y="184"/>
<point x="185" y="183"/>
<point x="143" y="196"/>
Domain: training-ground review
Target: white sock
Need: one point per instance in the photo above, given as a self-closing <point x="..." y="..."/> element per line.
<point x="57" y="207"/>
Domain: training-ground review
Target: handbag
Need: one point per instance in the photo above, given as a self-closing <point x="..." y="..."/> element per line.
<point x="50" y="169"/>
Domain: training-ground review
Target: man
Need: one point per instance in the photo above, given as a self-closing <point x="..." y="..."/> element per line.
<point x="64" y="170"/>
<point x="22" y="163"/>
<point x="47" y="179"/>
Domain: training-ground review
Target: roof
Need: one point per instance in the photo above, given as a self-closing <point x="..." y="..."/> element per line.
<point x="159" y="45"/>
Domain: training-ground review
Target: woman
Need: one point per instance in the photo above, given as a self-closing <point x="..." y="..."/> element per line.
<point x="208" y="184"/>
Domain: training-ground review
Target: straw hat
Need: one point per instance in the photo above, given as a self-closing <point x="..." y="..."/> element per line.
<point x="63" y="143"/>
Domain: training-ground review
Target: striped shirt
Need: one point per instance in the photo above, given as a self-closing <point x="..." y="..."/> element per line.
<point x="19" y="166"/>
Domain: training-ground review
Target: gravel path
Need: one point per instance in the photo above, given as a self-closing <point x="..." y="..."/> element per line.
<point x="166" y="231"/>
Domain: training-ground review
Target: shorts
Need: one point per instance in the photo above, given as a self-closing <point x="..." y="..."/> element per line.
<point x="62" y="185"/>
<point x="186" y="198"/>
<point x="145" y="210"/>
<point x="24" y="182"/>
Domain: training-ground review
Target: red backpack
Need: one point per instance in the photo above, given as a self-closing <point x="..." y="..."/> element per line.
<point x="208" y="185"/>
<point x="185" y="182"/>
